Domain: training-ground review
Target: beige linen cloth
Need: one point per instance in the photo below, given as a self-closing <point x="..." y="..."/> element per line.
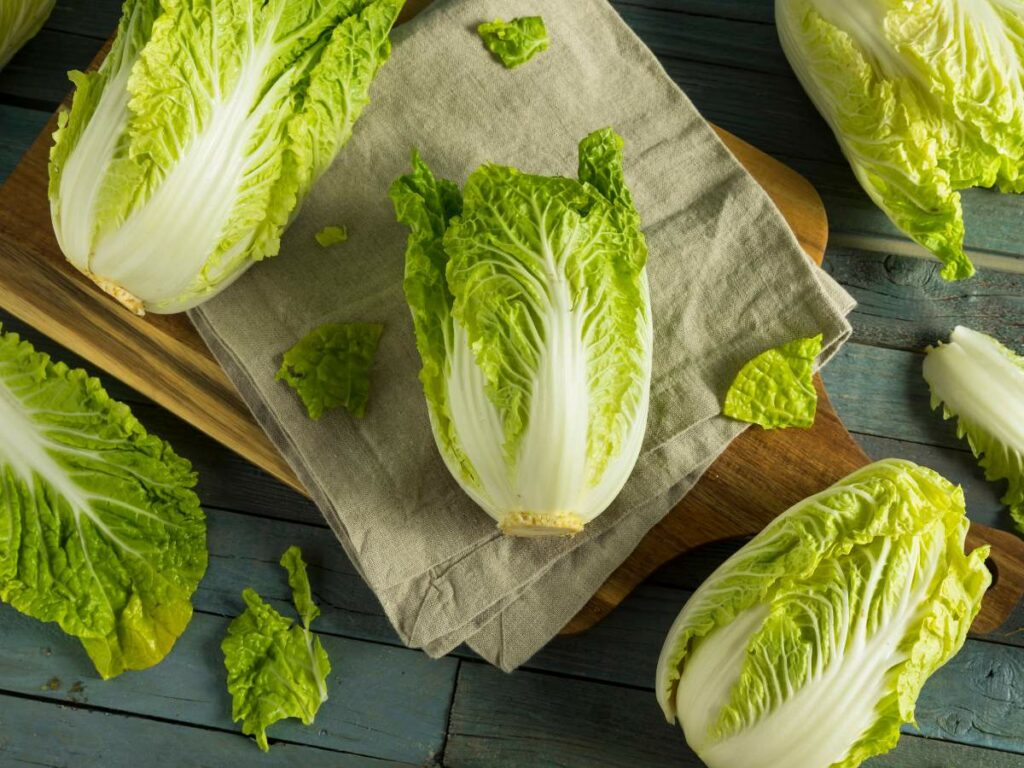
<point x="728" y="280"/>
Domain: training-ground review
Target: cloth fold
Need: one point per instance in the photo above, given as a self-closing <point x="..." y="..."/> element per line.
<point x="728" y="280"/>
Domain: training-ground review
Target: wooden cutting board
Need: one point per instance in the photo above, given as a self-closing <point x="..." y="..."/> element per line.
<point x="758" y="476"/>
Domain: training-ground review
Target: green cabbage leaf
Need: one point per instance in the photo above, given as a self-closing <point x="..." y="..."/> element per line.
<point x="926" y="98"/>
<point x="532" y="315"/>
<point x="827" y="623"/>
<point x="776" y="388"/>
<point x="514" y="42"/>
<point x="276" y="668"/>
<point x="20" y="21"/>
<point x="980" y="383"/>
<point x="185" y="157"/>
<point x="100" y="530"/>
<point x="330" y="367"/>
<point x="332" y="235"/>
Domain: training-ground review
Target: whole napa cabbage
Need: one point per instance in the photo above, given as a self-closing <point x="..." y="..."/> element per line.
<point x="808" y="647"/>
<point x="532" y="314"/>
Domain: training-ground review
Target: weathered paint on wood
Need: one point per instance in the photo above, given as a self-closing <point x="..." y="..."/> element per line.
<point x="37" y="733"/>
<point x="18" y="127"/>
<point x="902" y="302"/>
<point x="977" y="698"/>
<point x="91" y="18"/>
<point x="540" y="720"/>
<point x="880" y="391"/>
<point x="384" y="702"/>
<point x="37" y="75"/>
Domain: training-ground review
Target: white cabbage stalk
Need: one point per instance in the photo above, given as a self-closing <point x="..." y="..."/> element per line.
<point x="186" y="155"/>
<point x="20" y="21"/>
<point x="808" y="648"/>
<point x="530" y="301"/>
<point x="981" y="383"/>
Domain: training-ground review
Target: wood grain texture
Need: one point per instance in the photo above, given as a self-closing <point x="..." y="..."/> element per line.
<point x="385" y="702"/>
<point x="499" y="721"/>
<point x="37" y="733"/>
<point x="902" y="302"/>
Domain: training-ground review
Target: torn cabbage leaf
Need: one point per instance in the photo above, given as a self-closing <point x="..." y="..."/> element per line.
<point x="926" y="98"/>
<point x="100" y="530"/>
<point x="20" y="21"/>
<point x="514" y="42"/>
<point x="276" y="668"/>
<point x="980" y="382"/>
<point x="330" y="367"/>
<point x="185" y="157"/>
<point x="329" y="236"/>
<point x="776" y="388"/>
<point x="532" y="315"/>
<point x="808" y="648"/>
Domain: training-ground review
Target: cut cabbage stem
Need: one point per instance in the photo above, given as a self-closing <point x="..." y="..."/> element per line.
<point x="128" y="300"/>
<point x="557" y="523"/>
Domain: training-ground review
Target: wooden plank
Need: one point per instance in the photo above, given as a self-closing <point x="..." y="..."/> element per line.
<point x="740" y="10"/>
<point x="36" y="733"/>
<point x="902" y="302"/>
<point x="18" y="127"/>
<point x="38" y="72"/>
<point x="92" y="18"/>
<point x="385" y="702"/>
<point x="880" y="391"/>
<point x="750" y="46"/>
<point x="976" y="698"/>
<point x="541" y="720"/>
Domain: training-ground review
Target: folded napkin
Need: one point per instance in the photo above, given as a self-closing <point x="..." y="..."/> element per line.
<point x="727" y="277"/>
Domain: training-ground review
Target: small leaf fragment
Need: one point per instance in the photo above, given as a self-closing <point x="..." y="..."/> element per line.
<point x="330" y="367"/>
<point x="329" y="236"/>
<point x="276" y="668"/>
<point x="515" y="42"/>
<point x="776" y="388"/>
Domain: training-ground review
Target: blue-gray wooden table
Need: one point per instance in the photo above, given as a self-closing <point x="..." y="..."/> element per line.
<point x="583" y="701"/>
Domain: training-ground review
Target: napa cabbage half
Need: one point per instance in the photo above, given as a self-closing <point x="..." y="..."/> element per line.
<point x="183" y="159"/>
<point x="926" y="97"/>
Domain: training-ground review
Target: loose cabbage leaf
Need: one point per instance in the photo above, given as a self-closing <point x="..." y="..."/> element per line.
<point x="514" y="42"/>
<point x="100" y="530"/>
<point x="828" y="623"/>
<point x="330" y="367"/>
<point x="916" y="123"/>
<point x="980" y="382"/>
<point x="20" y="21"/>
<point x="219" y="114"/>
<point x="329" y="236"/>
<point x="530" y="301"/>
<point x="776" y="388"/>
<point x="276" y="668"/>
